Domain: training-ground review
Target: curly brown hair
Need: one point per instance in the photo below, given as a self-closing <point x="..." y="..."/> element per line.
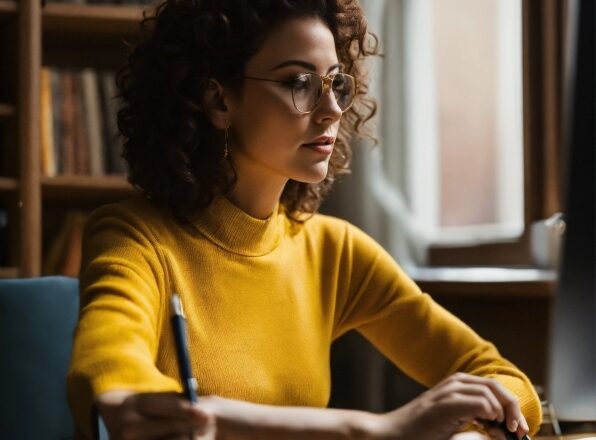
<point x="173" y="151"/>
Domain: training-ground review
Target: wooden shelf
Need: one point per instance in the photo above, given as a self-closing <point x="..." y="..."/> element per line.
<point x="8" y="7"/>
<point x="63" y="36"/>
<point x="8" y="184"/>
<point x="99" y="20"/>
<point x="87" y="189"/>
<point x="9" y="272"/>
<point x="511" y="289"/>
<point x="567" y="437"/>
<point x="81" y="35"/>
<point x="481" y="282"/>
<point x="6" y="110"/>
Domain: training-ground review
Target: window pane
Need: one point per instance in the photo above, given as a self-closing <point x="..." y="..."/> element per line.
<point x="449" y="167"/>
<point x="477" y="56"/>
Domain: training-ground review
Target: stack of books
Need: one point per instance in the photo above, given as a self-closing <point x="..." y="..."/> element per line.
<point x="79" y="133"/>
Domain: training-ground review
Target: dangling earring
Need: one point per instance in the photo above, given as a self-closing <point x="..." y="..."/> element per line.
<point x="226" y="143"/>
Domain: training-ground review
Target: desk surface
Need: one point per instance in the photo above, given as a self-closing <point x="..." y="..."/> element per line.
<point x="568" y="437"/>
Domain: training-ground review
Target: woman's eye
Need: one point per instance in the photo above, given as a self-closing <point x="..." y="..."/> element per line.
<point x="298" y="83"/>
<point x="339" y="83"/>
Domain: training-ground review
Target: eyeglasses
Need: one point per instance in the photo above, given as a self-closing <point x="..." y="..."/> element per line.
<point x="307" y="89"/>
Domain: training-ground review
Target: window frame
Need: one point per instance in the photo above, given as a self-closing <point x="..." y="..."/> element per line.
<point x="543" y="33"/>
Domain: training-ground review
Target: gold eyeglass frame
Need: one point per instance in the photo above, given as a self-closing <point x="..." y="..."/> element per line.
<point x="326" y="85"/>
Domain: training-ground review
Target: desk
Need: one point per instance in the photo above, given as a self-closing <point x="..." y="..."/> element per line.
<point x="498" y="303"/>
<point x="574" y="430"/>
<point x="568" y="437"/>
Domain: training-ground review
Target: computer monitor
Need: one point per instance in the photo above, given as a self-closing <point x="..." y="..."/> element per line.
<point x="572" y="373"/>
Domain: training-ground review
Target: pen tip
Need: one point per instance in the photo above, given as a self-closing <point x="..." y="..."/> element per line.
<point x="176" y="305"/>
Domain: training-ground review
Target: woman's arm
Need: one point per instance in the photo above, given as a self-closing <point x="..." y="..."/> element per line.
<point x="438" y="414"/>
<point x="168" y="415"/>
<point x="237" y="420"/>
<point x="423" y="339"/>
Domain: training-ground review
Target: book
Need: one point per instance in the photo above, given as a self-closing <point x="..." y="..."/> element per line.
<point x="80" y="132"/>
<point x="71" y="261"/>
<point x="64" y="252"/>
<point x="67" y="122"/>
<point x="48" y="160"/>
<point x="55" y="84"/>
<point x="93" y="119"/>
<point x="115" y="163"/>
<point x="81" y="152"/>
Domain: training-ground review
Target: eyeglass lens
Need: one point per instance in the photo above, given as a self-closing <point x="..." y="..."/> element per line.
<point x="308" y="88"/>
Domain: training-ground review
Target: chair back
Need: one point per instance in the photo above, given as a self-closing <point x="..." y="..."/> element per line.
<point x="37" y="320"/>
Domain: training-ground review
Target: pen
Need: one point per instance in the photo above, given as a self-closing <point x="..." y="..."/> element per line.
<point x="508" y="434"/>
<point x="178" y="322"/>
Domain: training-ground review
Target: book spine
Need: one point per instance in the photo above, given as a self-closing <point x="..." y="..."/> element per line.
<point x="67" y="122"/>
<point x="93" y="116"/>
<point x="56" y="86"/>
<point x="48" y="162"/>
<point x="81" y="136"/>
<point x="112" y="138"/>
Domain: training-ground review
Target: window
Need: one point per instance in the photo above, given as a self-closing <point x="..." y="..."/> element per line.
<point x="469" y="124"/>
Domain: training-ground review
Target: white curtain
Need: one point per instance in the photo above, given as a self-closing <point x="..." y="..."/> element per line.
<point x="374" y="197"/>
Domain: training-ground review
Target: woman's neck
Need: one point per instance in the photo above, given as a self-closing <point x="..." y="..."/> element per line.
<point x="257" y="199"/>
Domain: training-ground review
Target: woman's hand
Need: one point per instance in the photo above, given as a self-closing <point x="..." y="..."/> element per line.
<point x="450" y="406"/>
<point x="441" y="413"/>
<point x="128" y="415"/>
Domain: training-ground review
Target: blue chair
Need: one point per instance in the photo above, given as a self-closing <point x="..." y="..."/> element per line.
<point x="37" y="320"/>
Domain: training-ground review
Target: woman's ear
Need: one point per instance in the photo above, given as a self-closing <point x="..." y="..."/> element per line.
<point x="216" y="104"/>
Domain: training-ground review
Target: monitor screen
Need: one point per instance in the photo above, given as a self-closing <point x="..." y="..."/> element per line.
<point x="572" y="370"/>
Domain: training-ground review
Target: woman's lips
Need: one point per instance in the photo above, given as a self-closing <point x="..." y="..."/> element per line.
<point x="322" y="144"/>
<point x="320" y="147"/>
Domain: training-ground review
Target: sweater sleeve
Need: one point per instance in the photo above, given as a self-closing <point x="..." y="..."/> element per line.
<point x="116" y="339"/>
<point x="418" y="335"/>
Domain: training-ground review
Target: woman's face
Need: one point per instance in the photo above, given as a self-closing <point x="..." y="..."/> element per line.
<point x="268" y="135"/>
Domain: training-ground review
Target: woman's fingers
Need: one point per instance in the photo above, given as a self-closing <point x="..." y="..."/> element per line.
<point x="150" y="416"/>
<point x="492" y="408"/>
<point x="515" y="420"/>
<point x="167" y="414"/>
<point x="509" y="402"/>
<point x="154" y="429"/>
<point x="467" y="408"/>
<point x="523" y="427"/>
<point x="171" y="405"/>
<point x="510" y="411"/>
<point x="442" y="411"/>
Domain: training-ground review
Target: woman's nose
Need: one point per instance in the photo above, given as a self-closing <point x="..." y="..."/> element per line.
<point x="328" y="107"/>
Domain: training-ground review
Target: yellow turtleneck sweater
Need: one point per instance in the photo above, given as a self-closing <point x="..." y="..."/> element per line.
<point x="264" y="300"/>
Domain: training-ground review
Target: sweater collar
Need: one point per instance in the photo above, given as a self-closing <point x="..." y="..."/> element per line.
<point x="231" y="228"/>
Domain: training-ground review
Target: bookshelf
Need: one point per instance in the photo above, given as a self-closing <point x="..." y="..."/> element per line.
<point x="7" y="7"/>
<point x="65" y="36"/>
<point x="7" y="110"/>
<point x="84" y="189"/>
<point x="7" y="184"/>
<point x="108" y="21"/>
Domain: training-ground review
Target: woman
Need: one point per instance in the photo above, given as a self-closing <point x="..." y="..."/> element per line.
<point x="238" y="116"/>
